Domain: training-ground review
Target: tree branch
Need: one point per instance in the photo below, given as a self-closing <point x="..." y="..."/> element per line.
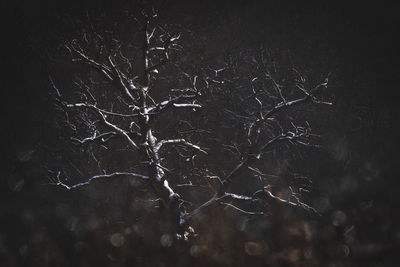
<point x="101" y="176"/>
<point x="121" y="80"/>
<point x="104" y="137"/>
<point x="247" y="159"/>
<point x="183" y="105"/>
<point x="241" y="210"/>
<point x="178" y="141"/>
<point x="172" y="102"/>
<point x="101" y="67"/>
<point x="105" y="121"/>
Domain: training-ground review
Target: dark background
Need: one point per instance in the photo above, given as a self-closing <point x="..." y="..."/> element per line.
<point x="357" y="175"/>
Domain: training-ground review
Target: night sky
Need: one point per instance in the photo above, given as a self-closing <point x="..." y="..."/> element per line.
<point x="358" y="169"/>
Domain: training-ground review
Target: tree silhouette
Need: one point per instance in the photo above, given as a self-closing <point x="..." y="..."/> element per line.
<point x="193" y="136"/>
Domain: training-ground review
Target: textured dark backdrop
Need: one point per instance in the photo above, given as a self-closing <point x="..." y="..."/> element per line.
<point x="359" y="170"/>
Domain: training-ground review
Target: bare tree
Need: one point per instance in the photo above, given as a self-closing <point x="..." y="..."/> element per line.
<point x="226" y="121"/>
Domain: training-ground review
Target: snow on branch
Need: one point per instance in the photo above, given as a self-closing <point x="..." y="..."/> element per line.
<point x="260" y="195"/>
<point x="105" y="70"/>
<point x="291" y="136"/>
<point x="100" y="176"/>
<point x="103" y="137"/>
<point x="178" y="141"/>
<point x="100" y="112"/>
<point x="172" y="102"/>
<point x="122" y="80"/>
<point x="186" y="105"/>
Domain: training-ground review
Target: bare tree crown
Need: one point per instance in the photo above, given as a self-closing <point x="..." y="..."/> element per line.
<point x="128" y="100"/>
